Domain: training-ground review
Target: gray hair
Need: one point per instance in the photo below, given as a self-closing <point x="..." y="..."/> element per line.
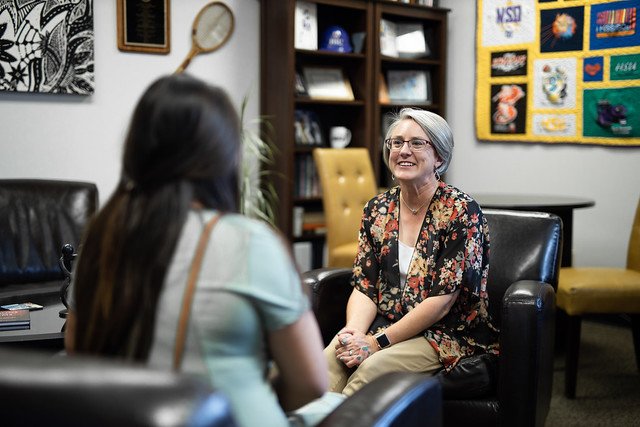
<point x="436" y="128"/>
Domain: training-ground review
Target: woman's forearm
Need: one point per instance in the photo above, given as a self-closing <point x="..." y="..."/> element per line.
<point x="360" y="311"/>
<point x="302" y="367"/>
<point x="421" y="317"/>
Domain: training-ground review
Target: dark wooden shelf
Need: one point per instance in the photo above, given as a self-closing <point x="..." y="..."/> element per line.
<point x="309" y="237"/>
<point x="280" y="61"/>
<point x="298" y="148"/>
<point x="392" y="60"/>
<point x="424" y="105"/>
<point x="328" y="55"/>
<point x="340" y="102"/>
<point x="306" y="200"/>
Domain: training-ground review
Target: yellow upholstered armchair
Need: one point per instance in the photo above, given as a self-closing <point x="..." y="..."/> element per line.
<point x="596" y="290"/>
<point x="348" y="182"/>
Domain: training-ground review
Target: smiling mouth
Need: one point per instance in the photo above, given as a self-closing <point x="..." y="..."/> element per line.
<point x="404" y="164"/>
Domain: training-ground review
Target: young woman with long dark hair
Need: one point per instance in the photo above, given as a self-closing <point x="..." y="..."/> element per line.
<point x="180" y="170"/>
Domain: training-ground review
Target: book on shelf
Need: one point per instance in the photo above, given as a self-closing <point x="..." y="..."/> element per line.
<point x="307" y="128"/>
<point x="306" y="26"/>
<point x="14" y="319"/>
<point x="313" y="222"/>
<point x="307" y="184"/>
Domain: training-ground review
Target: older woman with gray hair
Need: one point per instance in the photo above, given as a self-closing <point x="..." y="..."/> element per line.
<point x="419" y="299"/>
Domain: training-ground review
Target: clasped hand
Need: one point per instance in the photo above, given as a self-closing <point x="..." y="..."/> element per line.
<point x="354" y="347"/>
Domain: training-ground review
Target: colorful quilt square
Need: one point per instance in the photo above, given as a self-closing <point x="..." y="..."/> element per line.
<point x="509" y="63"/>
<point x="611" y="113"/>
<point x="509" y="108"/>
<point x="625" y="67"/>
<point x="593" y="69"/>
<point x="554" y="124"/>
<point x="561" y="29"/>
<point x="554" y="83"/>
<point x="508" y="22"/>
<point x="614" y="25"/>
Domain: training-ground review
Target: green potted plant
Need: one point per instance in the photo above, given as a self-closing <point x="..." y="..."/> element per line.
<point x="258" y="197"/>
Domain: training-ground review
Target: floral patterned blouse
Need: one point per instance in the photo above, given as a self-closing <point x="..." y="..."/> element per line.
<point x="451" y="253"/>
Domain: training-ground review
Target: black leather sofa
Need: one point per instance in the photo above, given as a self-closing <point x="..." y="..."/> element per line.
<point x="513" y="389"/>
<point x="43" y="390"/>
<point x="37" y="217"/>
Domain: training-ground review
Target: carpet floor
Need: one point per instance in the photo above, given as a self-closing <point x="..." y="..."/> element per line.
<point x="608" y="388"/>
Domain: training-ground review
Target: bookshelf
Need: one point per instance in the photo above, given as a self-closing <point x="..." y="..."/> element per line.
<point x="363" y="114"/>
<point x="434" y="65"/>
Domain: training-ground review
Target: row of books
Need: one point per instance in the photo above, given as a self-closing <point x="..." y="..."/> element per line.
<point x="307" y="184"/>
<point x="14" y="319"/>
<point x="308" y="222"/>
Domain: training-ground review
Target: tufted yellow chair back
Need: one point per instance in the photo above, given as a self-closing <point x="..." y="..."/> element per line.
<point x="633" y="254"/>
<point x="348" y="183"/>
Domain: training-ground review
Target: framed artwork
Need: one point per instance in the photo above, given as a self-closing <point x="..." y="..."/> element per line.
<point x="47" y="46"/>
<point x="327" y="83"/>
<point x="144" y="26"/>
<point x="408" y="85"/>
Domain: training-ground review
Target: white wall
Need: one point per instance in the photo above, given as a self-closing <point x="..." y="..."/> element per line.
<point x="80" y="137"/>
<point x="610" y="176"/>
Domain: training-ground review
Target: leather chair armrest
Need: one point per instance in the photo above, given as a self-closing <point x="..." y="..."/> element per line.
<point x="329" y="292"/>
<point x="318" y="278"/>
<point x="78" y="391"/>
<point x="394" y="399"/>
<point x="528" y="327"/>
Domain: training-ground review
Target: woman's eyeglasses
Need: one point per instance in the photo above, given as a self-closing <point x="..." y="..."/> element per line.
<point x="396" y="144"/>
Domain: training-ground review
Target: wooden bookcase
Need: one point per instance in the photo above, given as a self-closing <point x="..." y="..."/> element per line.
<point x="434" y="23"/>
<point x="365" y="70"/>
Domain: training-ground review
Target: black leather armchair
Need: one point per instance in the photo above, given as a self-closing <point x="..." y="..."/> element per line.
<point x="513" y="389"/>
<point x="36" y="218"/>
<point x="43" y="390"/>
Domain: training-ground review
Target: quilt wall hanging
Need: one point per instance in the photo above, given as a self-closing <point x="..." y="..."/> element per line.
<point x="558" y="71"/>
<point x="46" y="46"/>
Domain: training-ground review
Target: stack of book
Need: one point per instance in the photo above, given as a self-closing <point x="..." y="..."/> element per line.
<point x="14" y="319"/>
<point x="314" y="223"/>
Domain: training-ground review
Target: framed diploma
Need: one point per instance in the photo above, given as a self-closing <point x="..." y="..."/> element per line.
<point x="144" y="26"/>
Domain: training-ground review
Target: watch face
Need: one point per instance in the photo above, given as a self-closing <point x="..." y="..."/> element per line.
<point x="382" y="339"/>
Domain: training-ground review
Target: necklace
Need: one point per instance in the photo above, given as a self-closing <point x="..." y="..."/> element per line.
<point x="413" y="211"/>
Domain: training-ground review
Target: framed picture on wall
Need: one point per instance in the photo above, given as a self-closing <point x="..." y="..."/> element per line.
<point x="144" y="26"/>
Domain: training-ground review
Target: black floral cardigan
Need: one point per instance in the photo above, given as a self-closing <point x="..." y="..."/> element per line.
<point x="451" y="253"/>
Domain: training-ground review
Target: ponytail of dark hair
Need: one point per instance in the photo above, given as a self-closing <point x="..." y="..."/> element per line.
<point x="183" y="146"/>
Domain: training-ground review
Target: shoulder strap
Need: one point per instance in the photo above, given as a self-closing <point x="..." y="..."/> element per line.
<point x="189" y="290"/>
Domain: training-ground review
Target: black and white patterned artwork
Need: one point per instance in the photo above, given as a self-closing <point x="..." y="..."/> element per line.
<point x="46" y="46"/>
